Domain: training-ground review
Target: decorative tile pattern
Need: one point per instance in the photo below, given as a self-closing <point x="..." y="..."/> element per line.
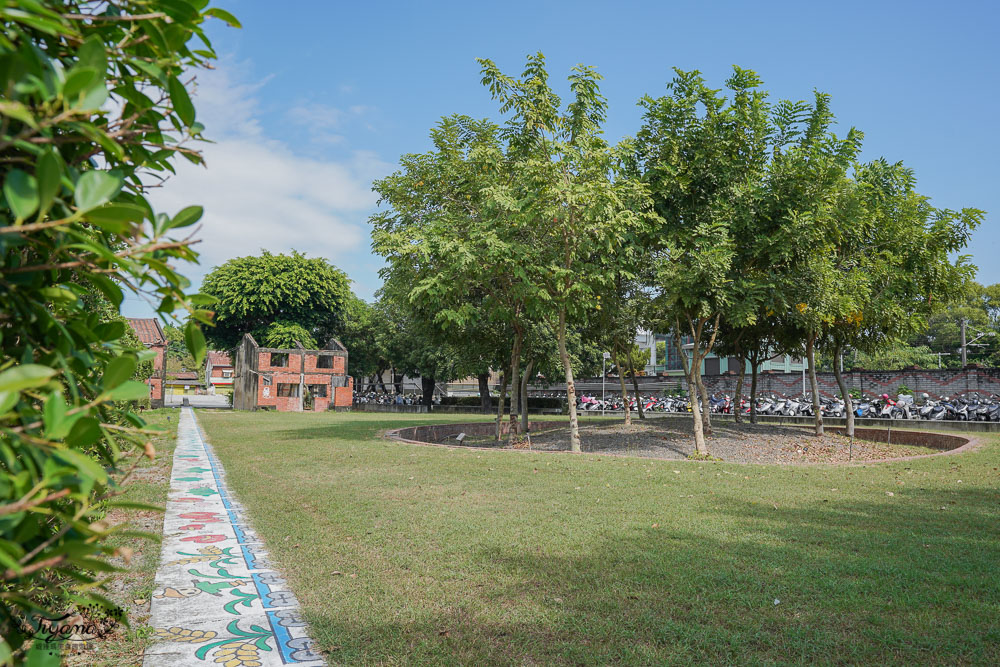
<point x="217" y="600"/>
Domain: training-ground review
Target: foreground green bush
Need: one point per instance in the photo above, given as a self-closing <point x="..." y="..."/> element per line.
<point x="94" y="106"/>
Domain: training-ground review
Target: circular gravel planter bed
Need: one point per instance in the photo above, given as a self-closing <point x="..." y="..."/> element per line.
<point x="671" y="439"/>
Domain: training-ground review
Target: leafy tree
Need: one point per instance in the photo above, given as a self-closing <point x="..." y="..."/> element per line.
<point x="807" y="178"/>
<point x="360" y="335"/>
<point x="897" y="356"/>
<point x="455" y="256"/>
<point x="255" y="292"/>
<point x="700" y="151"/>
<point x="979" y="305"/>
<point x="94" y="106"/>
<point x="287" y="335"/>
<point x="895" y="251"/>
<point x="570" y="191"/>
<point x="412" y="344"/>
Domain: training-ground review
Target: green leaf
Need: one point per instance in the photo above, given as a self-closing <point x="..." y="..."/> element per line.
<point x="195" y="340"/>
<point x="25" y="376"/>
<point x="118" y="370"/>
<point x="149" y="68"/>
<point x="133" y="390"/>
<point x="84" y="464"/>
<point x="108" y="288"/>
<point x="8" y="399"/>
<point x="223" y="15"/>
<point x="49" y="175"/>
<point x="96" y="188"/>
<point x="78" y="80"/>
<point x="93" y="98"/>
<point x="187" y="217"/>
<point x="85" y="432"/>
<point x="181" y="101"/>
<point x="41" y="656"/>
<point x="17" y="111"/>
<point x="110" y="330"/>
<point x="116" y="218"/>
<point x="201" y="299"/>
<point x="92" y="54"/>
<point x="58" y="295"/>
<point x="53" y="414"/>
<point x="21" y="191"/>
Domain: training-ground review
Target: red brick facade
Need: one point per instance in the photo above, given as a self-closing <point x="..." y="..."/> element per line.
<point x="150" y="334"/>
<point x="287" y="380"/>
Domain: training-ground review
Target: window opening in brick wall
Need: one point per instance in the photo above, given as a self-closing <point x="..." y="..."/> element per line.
<point x="288" y="390"/>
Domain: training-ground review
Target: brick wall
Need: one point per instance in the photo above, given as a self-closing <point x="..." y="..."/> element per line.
<point x="938" y="383"/>
<point x="155" y="382"/>
<point x="344" y="396"/>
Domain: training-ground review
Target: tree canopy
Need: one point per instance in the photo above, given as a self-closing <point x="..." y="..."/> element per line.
<point x="268" y="295"/>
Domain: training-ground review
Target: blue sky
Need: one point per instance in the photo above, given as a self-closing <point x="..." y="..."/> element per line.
<point x="313" y="99"/>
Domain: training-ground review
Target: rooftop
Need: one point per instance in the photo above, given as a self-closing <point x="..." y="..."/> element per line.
<point x="148" y="330"/>
<point x="219" y="358"/>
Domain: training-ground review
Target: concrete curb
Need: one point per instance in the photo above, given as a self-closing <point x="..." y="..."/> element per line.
<point x="971" y="444"/>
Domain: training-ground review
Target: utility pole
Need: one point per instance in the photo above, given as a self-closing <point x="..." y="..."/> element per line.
<point x="964" y="346"/>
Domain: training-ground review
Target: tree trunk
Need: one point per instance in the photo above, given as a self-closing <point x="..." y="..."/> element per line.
<point x="699" y="434"/>
<point x="838" y="373"/>
<point x="515" y="386"/>
<point x="635" y="387"/>
<point x="738" y="398"/>
<point x="524" y="397"/>
<point x="706" y="416"/>
<point x="754" y="365"/>
<point x="500" y="399"/>
<point x="811" y="355"/>
<point x="621" y="379"/>
<point x="484" y="392"/>
<point x="427" y="384"/>
<point x="574" y="423"/>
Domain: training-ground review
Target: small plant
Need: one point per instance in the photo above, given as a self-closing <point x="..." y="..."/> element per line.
<point x="904" y="390"/>
<point x="695" y="456"/>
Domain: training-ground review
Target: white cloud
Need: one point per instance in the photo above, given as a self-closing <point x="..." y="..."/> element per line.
<point x="259" y="192"/>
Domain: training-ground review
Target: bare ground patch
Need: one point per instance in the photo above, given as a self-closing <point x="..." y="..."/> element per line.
<point x="738" y="443"/>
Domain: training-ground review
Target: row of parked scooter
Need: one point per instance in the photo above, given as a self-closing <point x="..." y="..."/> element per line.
<point x="962" y="407"/>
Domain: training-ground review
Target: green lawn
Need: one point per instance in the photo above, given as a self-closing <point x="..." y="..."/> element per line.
<point x="413" y="554"/>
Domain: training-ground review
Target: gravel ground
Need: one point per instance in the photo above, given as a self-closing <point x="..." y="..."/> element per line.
<point x="740" y="443"/>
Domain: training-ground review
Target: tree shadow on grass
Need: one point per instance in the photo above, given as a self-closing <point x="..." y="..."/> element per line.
<point x="897" y="580"/>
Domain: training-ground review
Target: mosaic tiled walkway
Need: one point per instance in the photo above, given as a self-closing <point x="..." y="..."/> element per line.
<point x="217" y="601"/>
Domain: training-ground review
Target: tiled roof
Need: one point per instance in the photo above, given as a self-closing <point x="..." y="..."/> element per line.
<point x="184" y="375"/>
<point x="219" y="358"/>
<point x="148" y="330"/>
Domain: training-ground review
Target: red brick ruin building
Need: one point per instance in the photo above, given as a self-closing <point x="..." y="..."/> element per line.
<point x="150" y="334"/>
<point x="289" y="380"/>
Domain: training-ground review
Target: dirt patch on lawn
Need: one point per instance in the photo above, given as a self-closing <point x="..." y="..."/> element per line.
<point x="672" y="439"/>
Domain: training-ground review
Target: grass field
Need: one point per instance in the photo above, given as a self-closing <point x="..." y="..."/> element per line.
<point x="131" y="587"/>
<point x="427" y="555"/>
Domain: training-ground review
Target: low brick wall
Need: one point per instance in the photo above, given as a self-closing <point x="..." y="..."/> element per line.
<point x="939" y="441"/>
<point x="937" y="383"/>
<point x="440" y="433"/>
<point x="445" y="434"/>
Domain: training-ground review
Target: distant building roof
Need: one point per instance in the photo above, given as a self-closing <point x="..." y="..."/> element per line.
<point x="219" y="358"/>
<point x="148" y="330"/>
<point x="183" y="375"/>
